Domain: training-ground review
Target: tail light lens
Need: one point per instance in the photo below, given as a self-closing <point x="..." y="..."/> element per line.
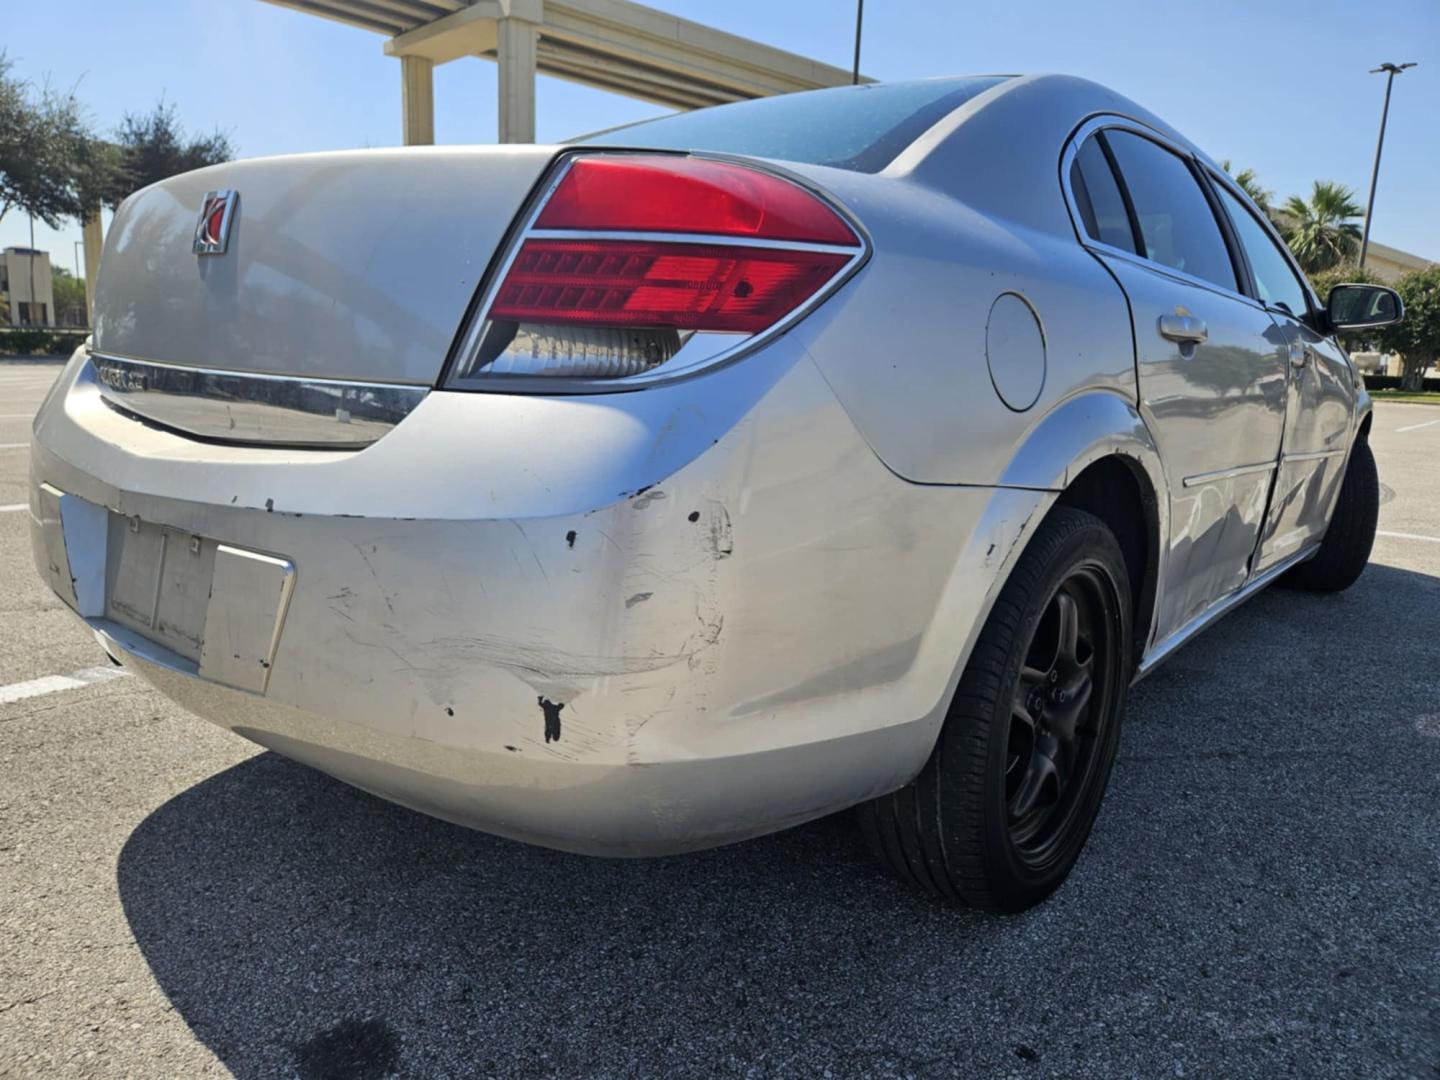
<point x="637" y="267"/>
<point x="659" y="284"/>
<point x="648" y="193"/>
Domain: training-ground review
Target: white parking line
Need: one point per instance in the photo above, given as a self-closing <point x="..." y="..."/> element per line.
<point x="14" y="445"/>
<point x="1408" y="536"/>
<point x="1417" y="427"/>
<point x="51" y="684"/>
<point x="14" y="508"/>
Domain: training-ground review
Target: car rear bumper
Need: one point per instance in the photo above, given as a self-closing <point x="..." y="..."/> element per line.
<point x="635" y="624"/>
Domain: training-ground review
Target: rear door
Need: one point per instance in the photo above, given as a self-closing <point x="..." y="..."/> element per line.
<point x="1320" y="392"/>
<point x="1211" y="362"/>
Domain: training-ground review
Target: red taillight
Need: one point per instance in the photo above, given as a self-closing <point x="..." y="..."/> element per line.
<point x="650" y="193"/>
<point x="637" y="262"/>
<point x="647" y="284"/>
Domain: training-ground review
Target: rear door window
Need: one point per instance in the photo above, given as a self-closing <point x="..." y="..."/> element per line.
<point x="1178" y="228"/>
<point x="1097" y="196"/>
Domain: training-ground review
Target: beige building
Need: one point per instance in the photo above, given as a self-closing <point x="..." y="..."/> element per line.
<point x="1391" y="264"/>
<point x="19" y="267"/>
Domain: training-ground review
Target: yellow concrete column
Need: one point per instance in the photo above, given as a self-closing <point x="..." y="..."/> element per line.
<point x="417" y="100"/>
<point x="93" y="235"/>
<point x="515" y="51"/>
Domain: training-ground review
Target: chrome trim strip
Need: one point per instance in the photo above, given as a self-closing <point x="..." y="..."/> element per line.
<point x="1167" y="648"/>
<point x="1227" y="474"/>
<point x="248" y="408"/>
<point x="1314" y="455"/>
<point x="709" y="239"/>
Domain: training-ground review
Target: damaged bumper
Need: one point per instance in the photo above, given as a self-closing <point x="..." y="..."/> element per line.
<point x="620" y="624"/>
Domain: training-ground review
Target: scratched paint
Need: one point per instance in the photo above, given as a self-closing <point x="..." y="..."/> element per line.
<point x="415" y="653"/>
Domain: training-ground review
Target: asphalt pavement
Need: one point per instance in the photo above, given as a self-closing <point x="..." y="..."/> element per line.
<point x="1261" y="896"/>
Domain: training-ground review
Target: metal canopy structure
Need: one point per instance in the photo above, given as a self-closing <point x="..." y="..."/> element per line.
<point x="614" y="45"/>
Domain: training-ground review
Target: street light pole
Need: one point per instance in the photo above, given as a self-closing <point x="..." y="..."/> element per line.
<point x="31" y="258"/>
<point x="1391" y="70"/>
<point x="859" y="20"/>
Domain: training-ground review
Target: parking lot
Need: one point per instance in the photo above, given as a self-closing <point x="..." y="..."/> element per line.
<point x="1261" y="896"/>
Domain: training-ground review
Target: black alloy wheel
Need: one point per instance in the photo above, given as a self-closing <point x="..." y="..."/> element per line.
<point x="1058" y="713"/>
<point x="1001" y="811"/>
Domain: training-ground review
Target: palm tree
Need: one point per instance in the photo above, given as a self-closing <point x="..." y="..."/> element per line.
<point x="1250" y="184"/>
<point x="1321" y="230"/>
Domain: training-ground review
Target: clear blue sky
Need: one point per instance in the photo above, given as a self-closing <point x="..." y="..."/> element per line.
<point x="1277" y="85"/>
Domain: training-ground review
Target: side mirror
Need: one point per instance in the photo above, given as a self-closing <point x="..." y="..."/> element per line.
<point x="1361" y="307"/>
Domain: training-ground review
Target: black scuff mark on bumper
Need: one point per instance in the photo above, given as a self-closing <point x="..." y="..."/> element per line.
<point x="722" y="534"/>
<point x="551" y="711"/>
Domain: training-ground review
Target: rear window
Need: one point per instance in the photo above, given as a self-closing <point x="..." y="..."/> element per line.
<point x="862" y="128"/>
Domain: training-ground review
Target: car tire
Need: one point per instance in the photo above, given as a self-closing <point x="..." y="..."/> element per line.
<point x="1346" y="547"/>
<point x="961" y="830"/>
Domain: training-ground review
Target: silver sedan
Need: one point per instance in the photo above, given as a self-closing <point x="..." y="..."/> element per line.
<point x="698" y="478"/>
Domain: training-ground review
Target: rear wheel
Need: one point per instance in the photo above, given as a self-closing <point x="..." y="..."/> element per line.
<point x="1001" y="811"/>
<point x="1346" y="547"/>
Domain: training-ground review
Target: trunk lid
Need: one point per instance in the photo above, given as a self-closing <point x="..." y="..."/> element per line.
<point x="354" y="266"/>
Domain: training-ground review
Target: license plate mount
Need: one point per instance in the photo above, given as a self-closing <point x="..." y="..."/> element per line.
<point x="158" y="582"/>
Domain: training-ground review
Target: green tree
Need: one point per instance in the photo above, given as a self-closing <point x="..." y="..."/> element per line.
<point x="1250" y="184"/>
<point x="1416" y="340"/>
<point x="1322" y="281"/>
<point x="45" y="148"/>
<point x="1321" y="230"/>
<point x="154" y="146"/>
<point x="51" y="165"/>
<point x="69" y="297"/>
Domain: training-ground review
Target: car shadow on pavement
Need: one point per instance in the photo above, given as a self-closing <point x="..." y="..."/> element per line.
<point x="1247" y="906"/>
<point x="295" y="921"/>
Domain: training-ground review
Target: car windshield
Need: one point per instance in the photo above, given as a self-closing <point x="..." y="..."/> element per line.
<point x="863" y="128"/>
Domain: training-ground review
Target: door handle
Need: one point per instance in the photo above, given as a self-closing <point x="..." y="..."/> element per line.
<point x="1299" y="354"/>
<point x="1185" y="329"/>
